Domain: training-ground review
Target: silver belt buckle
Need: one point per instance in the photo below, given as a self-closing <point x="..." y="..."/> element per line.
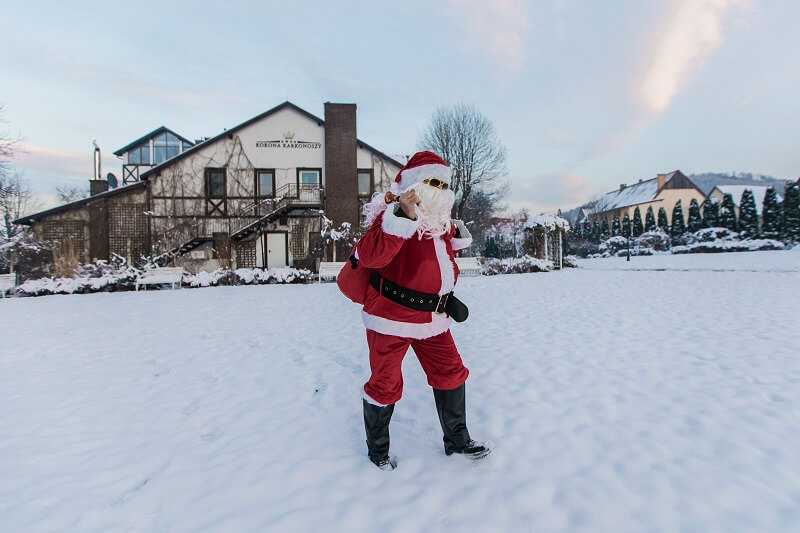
<point x="442" y="302"/>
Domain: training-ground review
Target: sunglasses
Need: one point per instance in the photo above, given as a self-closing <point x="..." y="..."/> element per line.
<point x="435" y="182"/>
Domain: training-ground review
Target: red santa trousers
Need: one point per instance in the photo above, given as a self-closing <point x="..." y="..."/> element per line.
<point x="438" y="356"/>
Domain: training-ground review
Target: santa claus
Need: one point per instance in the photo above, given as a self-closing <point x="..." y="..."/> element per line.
<point x="406" y="262"/>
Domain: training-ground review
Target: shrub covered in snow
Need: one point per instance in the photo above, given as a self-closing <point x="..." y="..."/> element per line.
<point x="712" y="235"/>
<point x="515" y="265"/>
<point x="656" y="239"/>
<point x="98" y="276"/>
<point x="255" y="276"/>
<point x="747" y="245"/>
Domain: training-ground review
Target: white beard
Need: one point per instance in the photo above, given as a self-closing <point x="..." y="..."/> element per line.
<point x="434" y="209"/>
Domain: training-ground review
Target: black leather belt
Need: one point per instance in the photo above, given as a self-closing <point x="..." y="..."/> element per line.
<point x="419" y="301"/>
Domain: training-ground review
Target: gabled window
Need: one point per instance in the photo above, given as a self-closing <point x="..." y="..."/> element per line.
<point x="165" y="146"/>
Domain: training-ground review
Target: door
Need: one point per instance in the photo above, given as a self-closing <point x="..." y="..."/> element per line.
<point x="276" y="249"/>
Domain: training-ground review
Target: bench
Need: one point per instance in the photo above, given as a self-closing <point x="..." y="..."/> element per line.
<point x="7" y="283"/>
<point x="329" y="270"/>
<point x="161" y="276"/>
<point x="469" y="266"/>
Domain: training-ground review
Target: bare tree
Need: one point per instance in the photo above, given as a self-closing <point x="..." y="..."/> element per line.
<point x="6" y="150"/>
<point x="16" y="199"/>
<point x="466" y="139"/>
<point x="70" y="193"/>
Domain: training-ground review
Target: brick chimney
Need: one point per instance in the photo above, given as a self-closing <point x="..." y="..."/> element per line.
<point x="341" y="172"/>
<point x="661" y="179"/>
<point x="97" y="187"/>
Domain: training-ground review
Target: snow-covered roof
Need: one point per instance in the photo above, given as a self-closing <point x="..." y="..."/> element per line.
<point x="638" y="193"/>
<point x="736" y="191"/>
<point x="546" y="220"/>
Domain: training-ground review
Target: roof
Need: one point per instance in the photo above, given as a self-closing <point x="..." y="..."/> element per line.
<point x="147" y="136"/>
<point x="638" y="193"/>
<point x="285" y="105"/>
<point x="736" y="191"/>
<point x="30" y="219"/>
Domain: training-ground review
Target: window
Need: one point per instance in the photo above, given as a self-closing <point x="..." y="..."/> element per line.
<point x="265" y="183"/>
<point x="215" y="182"/>
<point x="139" y="155"/>
<point x="364" y="183"/>
<point x="308" y="177"/>
<point x="165" y="146"/>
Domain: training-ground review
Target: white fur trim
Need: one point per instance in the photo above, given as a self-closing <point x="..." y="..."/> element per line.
<point x="398" y="226"/>
<point x="465" y="241"/>
<point x="439" y="324"/>
<point x="445" y="266"/>
<point x="370" y="399"/>
<point x="460" y="244"/>
<point x="414" y="175"/>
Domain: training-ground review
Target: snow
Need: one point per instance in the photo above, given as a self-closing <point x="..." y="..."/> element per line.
<point x="546" y="220"/>
<point x="661" y="400"/>
<point x="636" y="193"/>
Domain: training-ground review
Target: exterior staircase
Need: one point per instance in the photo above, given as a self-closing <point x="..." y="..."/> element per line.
<point x="251" y="220"/>
<point x="287" y="198"/>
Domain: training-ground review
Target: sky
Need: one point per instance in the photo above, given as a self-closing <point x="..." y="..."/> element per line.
<point x="584" y="95"/>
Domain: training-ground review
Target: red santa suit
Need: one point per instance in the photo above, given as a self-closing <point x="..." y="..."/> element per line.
<point x="393" y="247"/>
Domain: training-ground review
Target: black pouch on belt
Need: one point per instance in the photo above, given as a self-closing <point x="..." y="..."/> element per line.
<point x="456" y="309"/>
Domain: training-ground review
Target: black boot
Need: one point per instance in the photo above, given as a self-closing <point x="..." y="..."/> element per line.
<point x="452" y="410"/>
<point x="376" y="423"/>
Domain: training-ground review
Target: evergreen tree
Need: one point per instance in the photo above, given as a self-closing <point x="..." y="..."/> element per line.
<point x="638" y="228"/>
<point x="491" y="250"/>
<point x="727" y="214"/>
<point x="771" y="215"/>
<point x="649" y="219"/>
<point x="791" y="212"/>
<point x="626" y="225"/>
<point x="663" y="223"/>
<point x="604" y="229"/>
<point x="587" y="229"/>
<point x="695" y="221"/>
<point x="710" y="213"/>
<point x="748" y="218"/>
<point x="615" y="226"/>
<point x="678" y="224"/>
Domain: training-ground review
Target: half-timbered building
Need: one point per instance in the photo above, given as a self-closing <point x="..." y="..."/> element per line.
<point x="251" y="196"/>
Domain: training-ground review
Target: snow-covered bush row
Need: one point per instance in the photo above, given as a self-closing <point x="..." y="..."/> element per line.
<point x="247" y="276"/>
<point x="708" y="240"/>
<point x="104" y="276"/>
<point x="747" y="245"/>
<point x="91" y="277"/>
<point x="515" y="265"/>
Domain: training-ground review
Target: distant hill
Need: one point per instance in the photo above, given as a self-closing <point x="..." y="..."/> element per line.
<point x="706" y="181"/>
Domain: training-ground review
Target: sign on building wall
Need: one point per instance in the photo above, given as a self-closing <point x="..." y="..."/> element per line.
<point x="290" y="143"/>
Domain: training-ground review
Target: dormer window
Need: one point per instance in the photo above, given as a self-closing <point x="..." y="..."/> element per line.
<point x="165" y="146"/>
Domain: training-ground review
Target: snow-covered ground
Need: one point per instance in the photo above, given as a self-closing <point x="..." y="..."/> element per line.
<point x="654" y="400"/>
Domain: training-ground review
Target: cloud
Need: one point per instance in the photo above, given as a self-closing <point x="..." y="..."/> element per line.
<point x="40" y="160"/>
<point x="498" y="26"/>
<point x="691" y="33"/>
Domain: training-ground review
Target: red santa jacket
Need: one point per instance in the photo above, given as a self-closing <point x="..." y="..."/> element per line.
<point x="393" y="248"/>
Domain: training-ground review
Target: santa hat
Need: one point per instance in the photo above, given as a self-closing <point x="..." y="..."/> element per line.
<point x="422" y="165"/>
